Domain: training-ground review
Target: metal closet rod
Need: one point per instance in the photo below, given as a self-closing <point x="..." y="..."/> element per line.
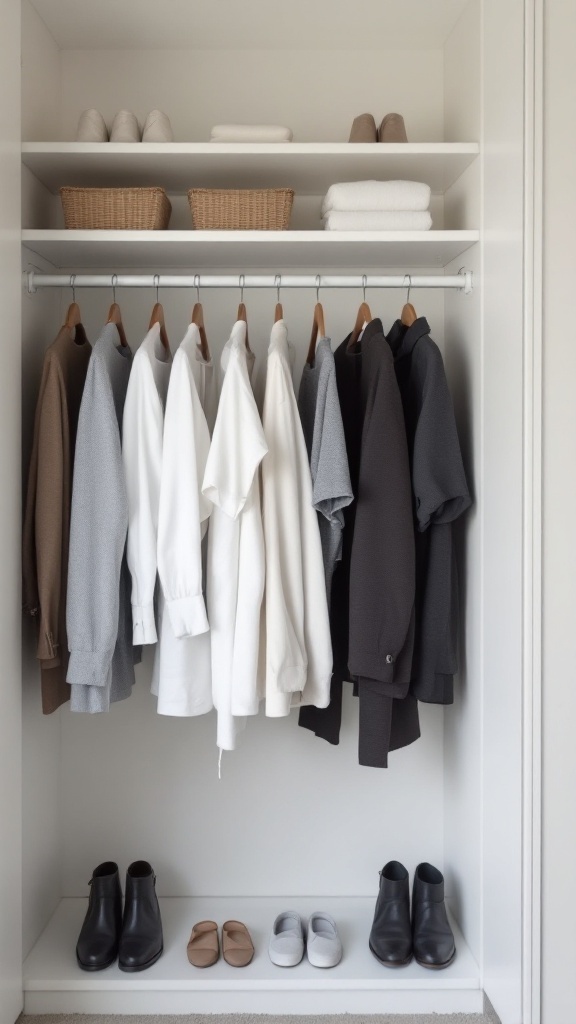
<point x="462" y="281"/>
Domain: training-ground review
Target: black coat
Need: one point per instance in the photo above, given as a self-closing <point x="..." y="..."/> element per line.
<point x="373" y="589"/>
<point x="440" y="496"/>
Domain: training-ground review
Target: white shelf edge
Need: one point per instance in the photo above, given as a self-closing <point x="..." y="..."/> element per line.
<point x="255" y="148"/>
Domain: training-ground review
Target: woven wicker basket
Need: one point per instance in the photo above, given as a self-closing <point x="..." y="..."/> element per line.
<point x="259" y="209"/>
<point x="121" y="209"/>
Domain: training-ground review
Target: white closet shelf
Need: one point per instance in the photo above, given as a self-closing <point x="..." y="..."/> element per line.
<point x="310" y="168"/>
<point x="277" y="250"/>
<point x="53" y="982"/>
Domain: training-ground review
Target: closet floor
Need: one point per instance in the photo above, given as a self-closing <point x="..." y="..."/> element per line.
<point x="53" y="982"/>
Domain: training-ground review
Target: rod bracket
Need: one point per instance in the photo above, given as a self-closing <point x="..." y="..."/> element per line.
<point x="30" y="283"/>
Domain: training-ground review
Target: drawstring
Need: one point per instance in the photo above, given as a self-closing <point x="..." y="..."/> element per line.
<point x="220" y="763"/>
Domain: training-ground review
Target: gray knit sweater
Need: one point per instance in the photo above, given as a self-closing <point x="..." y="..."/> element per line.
<point x="99" y="618"/>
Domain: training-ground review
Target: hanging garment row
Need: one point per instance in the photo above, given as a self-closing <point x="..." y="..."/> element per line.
<point x="269" y="558"/>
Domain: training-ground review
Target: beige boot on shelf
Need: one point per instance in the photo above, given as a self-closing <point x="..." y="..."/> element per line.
<point x="363" y="129"/>
<point x="392" y="129"/>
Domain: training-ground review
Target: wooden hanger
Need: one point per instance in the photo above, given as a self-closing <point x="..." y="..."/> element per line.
<point x="278" y="312"/>
<point x="115" y="315"/>
<point x="158" y="318"/>
<point x="363" y="316"/>
<point x="242" y="314"/>
<point x="318" y="328"/>
<point x="198" y="319"/>
<point x="409" y="314"/>
<point x="73" y="316"/>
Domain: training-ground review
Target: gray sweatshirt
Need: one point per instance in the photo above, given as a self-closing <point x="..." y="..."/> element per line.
<point x="99" y="618"/>
<point x="321" y="418"/>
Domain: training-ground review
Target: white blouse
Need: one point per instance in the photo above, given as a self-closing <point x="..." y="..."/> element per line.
<point x="182" y="676"/>
<point x="235" y="569"/>
<point x="298" y="645"/>
<point x="142" y="428"/>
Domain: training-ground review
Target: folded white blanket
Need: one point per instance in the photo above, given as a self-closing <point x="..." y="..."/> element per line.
<point x="370" y="220"/>
<point x="250" y="133"/>
<point x="377" y="195"/>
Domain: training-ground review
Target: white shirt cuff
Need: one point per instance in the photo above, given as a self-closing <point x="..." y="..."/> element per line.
<point x="188" y="615"/>
<point x="143" y="624"/>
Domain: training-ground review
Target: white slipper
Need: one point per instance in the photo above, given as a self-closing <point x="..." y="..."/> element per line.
<point x="323" y="946"/>
<point x="157" y="128"/>
<point x="125" y="128"/>
<point x="91" y="127"/>
<point x="286" y="946"/>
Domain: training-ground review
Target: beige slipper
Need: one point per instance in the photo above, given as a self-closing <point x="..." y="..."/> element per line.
<point x="237" y="946"/>
<point x="203" y="948"/>
<point x="392" y="129"/>
<point x="363" y="129"/>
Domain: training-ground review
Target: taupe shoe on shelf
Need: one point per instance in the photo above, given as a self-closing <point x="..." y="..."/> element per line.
<point x="392" y="129"/>
<point x="237" y="946"/>
<point x="203" y="948"/>
<point x="363" y="129"/>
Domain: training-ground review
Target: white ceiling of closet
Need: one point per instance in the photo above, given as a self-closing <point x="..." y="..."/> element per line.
<point x="250" y="24"/>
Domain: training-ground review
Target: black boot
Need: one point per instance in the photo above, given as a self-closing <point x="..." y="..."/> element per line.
<point x="99" y="937"/>
<point x="141" y="941"/>
<point x="431" y="932"/>
<point x="391" y="935"/>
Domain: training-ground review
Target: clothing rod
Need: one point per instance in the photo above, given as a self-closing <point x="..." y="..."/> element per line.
<point x="462" y="281"/>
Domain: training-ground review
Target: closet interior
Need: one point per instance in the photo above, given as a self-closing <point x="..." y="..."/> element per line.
<point x="292" y="820"/>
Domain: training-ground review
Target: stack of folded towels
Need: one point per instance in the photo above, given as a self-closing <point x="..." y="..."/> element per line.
<point x="377" y="206"/>
<point x="250" y="133"/>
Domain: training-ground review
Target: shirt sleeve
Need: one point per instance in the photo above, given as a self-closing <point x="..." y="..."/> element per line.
<point x="98" y="528"/>
<point x="439" y="481"/>
<point x="286" y="657"/>
<point x="238" y="443"/>
<point x="332" y="488"/>
<point x="183" y="508"/>
<point x="142" y="457"/>
<point x="44" y="518"/>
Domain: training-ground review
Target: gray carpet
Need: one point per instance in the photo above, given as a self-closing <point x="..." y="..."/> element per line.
<point x="488" y="1017"/>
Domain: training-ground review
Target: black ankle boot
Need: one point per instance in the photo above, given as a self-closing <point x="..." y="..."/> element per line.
<point x="432" y="936"/>
<point x="99" y="937"/>
<point x="391" y="935"/>
<point x="141" y="941"/>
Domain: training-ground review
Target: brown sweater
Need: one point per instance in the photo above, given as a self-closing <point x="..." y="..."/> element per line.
<point x="47" y="515"/>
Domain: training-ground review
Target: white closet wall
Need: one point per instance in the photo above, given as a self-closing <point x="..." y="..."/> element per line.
<point x="292" y="816"/>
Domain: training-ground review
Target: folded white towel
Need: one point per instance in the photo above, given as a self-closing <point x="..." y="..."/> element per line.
<point x="376" y="220"/>
<point x="250" y="133"/>
<point x="377" y="195"/>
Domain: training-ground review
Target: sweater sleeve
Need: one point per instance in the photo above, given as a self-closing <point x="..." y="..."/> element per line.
<point x="98" y="528"/>
<point x="142" y="457"/>
<point x="182" y="505"/>
<point x="49" y="514"/>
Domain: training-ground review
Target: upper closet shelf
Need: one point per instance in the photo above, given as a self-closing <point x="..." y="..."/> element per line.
<point x="276" y="250"/>
<point x="309" y="168"/>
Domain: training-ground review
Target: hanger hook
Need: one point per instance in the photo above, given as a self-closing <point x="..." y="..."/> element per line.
<point x="73" y="286"/>
<point x="409" y="276"/>
<point x="197" y="286"/>
<point x="241" y="280"/>
<point x="364" y="280"/>
<point x="278" y="282"/>
<point x="114" y="283"/>
<point x="157" y="285"/>
<point x="317" y="287"/>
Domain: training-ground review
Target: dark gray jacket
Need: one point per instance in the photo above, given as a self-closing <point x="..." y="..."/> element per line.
<point x="440" y="496"/>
